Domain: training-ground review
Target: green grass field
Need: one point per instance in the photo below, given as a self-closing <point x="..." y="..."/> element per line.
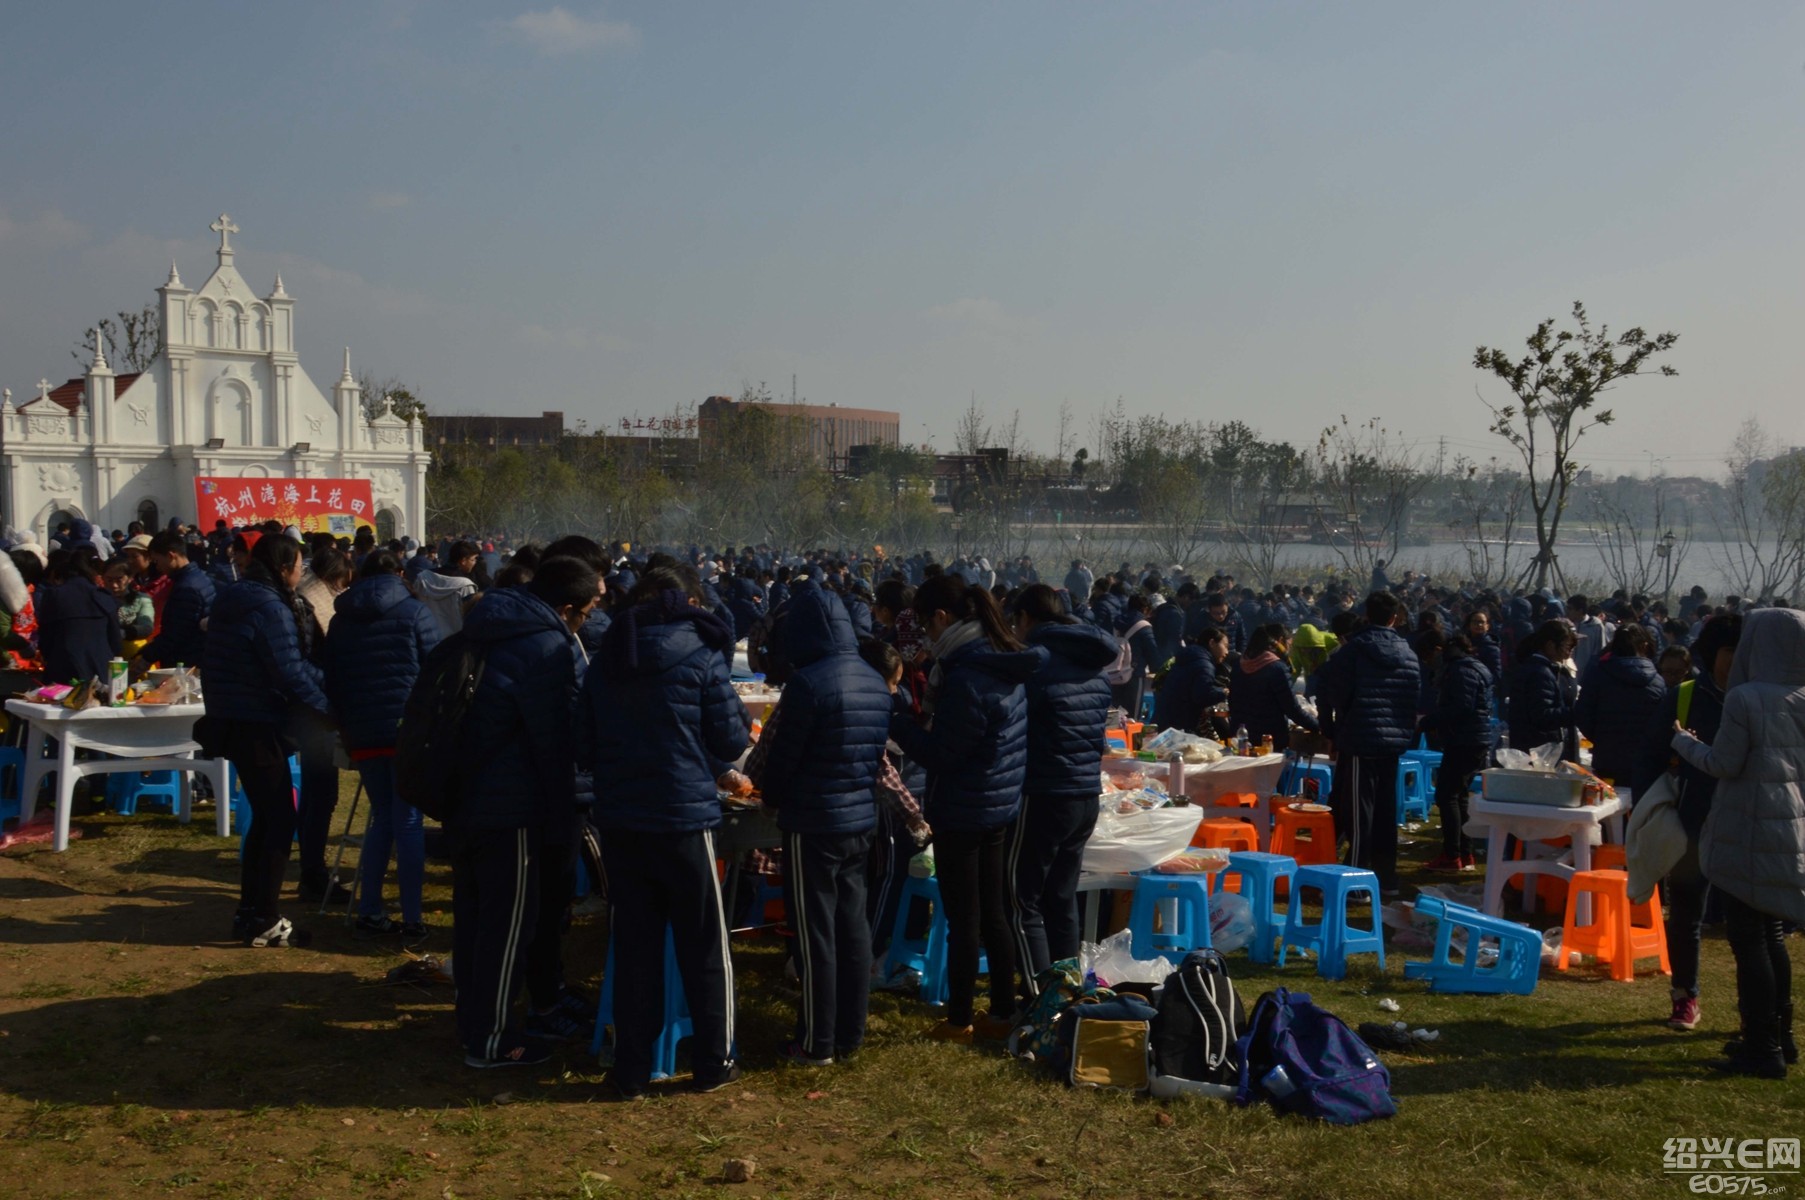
<point x="142" y="1054"/>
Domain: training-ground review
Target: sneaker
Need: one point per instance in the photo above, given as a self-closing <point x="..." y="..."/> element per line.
<point x="413" y="933"/>
<point x="1444" y="864"/>
<point x="575" y="1004"/>
<point x="946" y="1031"/>
<point x="378" y="926"/>
<point x="1469" y="862"/>
<point x="1685" y="1013"/>
<point x="623" y="1090"/>
<point x="992" y="1028"/>
<point x="715" y="1083"/>
<point x="244" y="926"/>
<point x="522" y="1052"/>
<point x="797" y="1055"/>
<point x="555" y="1026"/>
<point x="280" y="934"/>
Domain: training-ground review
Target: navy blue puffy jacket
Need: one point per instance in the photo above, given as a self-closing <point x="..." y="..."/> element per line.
<point x="1617" y="699"/>
<point x="660" y="720"/>
<point x="1191" y="688"/>
<point x="251" y="663"/>
<point x="518" y="735"/>
<point x="1106" y="613"/>
<point x="180" y="639"/>
<point x="826" y="752"/>
<point x="1068" y="705"/>
<point x="1263" y="701"/>
<point x="976" y="752"/>
<point x="594" y="626"/>
<point x="1485" y="649"/>
<point x="1463" y="706"/>
<point x="1168" y="632"/>
<point x="379" y="637"/>
<point x="78" y="630"/>
<point x="1198" y="623"/>
<point x="1540" y="708"/>
<point x="1370" y="686"/>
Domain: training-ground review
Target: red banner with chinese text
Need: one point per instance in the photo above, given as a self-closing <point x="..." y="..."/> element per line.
<point x="335" y="506"/>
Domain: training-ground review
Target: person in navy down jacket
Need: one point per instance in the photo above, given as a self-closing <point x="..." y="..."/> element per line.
<point x="1193" y="686"/>
<point x="659" y="724"/>
<point x="1068" y="705"/>
<point x="78" y="619"/>
<point x="257" y="680"/>
<point x="1463" y="717"/>
<point x="1259" y="690"/>
<point x="975" y="748"/>
<point x="824" y="755"/>
<point x="519" y="789"/>
<point x="1367" y="691"/>
<point x="379" y="638"/>
<point x="1541" y="693"/>
<point x="185" y="607"/>
<point x="1618" y="697"/>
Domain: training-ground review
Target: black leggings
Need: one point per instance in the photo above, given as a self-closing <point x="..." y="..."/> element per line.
<point x="974" y="889"/>
<point x="1458" y="766"/>
<point x="260" y="755"/>
<point x="1763" y="969"/>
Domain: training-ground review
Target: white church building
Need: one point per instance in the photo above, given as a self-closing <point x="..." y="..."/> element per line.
<point x="225" y="396"/>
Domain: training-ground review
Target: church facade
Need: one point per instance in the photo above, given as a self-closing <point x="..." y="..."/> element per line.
<point x="225" y="396"/>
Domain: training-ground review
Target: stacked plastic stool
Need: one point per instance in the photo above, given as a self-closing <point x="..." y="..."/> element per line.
<point x="1259" y="877"/>
<point x="1619" y="932"/>
<point x="1299" y="772"/>
<point x="1519" y="960"/>
<point x="1181" y="906"/>
<point x="1414" y="787"/>
<point x="1332" y="938"/>
<point x="676" y="1025"/>
<point x="924" y="955"/>
<point x="126" y="788"/>
<point x="12" y="785"/>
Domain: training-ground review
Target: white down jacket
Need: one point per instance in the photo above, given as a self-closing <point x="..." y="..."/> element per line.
<point x="1753" y="843"/>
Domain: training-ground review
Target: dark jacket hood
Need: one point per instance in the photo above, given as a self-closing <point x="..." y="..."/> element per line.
<point x="649" y="638"/>
<point x="371" y="599"/>
<point x="509" y="613"/>
<point x="1516" y="609"/>
<point x="1082" y="645"/>
<point x="1384" y="648"/>
<point x="1010" y="666"/>
<point x="817" y="625"/>
<point x="1630" y="672"/>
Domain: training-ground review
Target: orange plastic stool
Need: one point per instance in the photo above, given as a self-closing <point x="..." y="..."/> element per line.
<point x="1610" y="857"/>
<point x="1227" y="833"/>
<point x="1620" y="932"/>
<point x="1551" y="890"/>
<point x="1306" y="837"/>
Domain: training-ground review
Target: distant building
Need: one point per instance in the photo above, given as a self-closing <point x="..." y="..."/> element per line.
<point x="225" y="396"/>
<point x="493" y="433"/>
<point x="826" y="432"/>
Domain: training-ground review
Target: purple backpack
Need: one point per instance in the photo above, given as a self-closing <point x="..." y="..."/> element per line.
<point x="1306" y="1060"/>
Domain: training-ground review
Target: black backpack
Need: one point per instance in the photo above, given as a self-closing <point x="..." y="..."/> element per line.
<point x="1200" y="1020"/>
<point x="431" y="735"/>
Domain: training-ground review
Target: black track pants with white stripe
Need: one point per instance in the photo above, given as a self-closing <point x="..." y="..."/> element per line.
<point x="657" y="880"/>
<point x="1046" y="852"/>
<point x="824" y="897"/>
<point x="494" y="907"/>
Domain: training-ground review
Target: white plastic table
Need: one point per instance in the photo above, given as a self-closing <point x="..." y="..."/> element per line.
<point x="1202" y="784"/>
<point x="1534" y="822"/>
<point x="140" y="737"/>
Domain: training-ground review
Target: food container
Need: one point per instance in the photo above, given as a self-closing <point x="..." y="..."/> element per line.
<point x="1532" y="787"/>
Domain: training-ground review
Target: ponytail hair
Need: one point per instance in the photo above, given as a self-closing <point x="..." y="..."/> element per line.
<point x="963" y="602"/>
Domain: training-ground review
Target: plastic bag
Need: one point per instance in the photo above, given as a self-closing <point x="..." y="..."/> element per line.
<point x="1138" y="841"/>
<point x="1542" y="758"/>
<point x="1114" y="962"/>
<point x="1231" y="922"/>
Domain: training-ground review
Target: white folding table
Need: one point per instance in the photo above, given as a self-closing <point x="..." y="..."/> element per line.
<point x="138" y="737"/>
<point x="1584" y="825"/>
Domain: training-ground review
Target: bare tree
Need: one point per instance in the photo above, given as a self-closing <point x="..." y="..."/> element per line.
<point x="1487" y="511"/>
<point x="132" y="340"/>
<point x="1374" y="478"/>
<point x="1635" y="537"/>
<point x="1554" y="388"/>
<point x="1761" y="518"/>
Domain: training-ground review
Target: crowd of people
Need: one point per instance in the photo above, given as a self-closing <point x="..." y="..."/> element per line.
<point x="962" y="702"/>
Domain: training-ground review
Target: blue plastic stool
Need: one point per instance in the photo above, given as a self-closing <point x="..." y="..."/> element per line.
<point x="677" y="1023"/>
<point x="924" y="955"/>
<point x="12" y="785"/>
<point x="1260" y="874"/>
<point x="1332" y="939"/>
<point x="1182" y="903"/>
<point x="1413" y="787"/>
<point x="1299" y="770"/>
<point x="1519" y="962"/>
<point x="126" y="788"/>
<point x="1147" y="705"/>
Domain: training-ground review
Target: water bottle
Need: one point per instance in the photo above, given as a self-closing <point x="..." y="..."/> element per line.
<point x="1503" y="739"/>
<point x="1277" y="1083"/>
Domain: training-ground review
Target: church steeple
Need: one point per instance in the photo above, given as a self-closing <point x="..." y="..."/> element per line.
<point x="225" y="229"/>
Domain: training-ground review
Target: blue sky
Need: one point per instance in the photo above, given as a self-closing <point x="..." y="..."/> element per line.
<point x="1276" y="212"/>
